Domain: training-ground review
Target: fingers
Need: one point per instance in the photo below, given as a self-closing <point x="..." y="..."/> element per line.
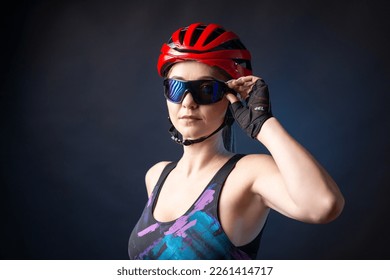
<point x="243" y="85"/>
<point x="232" y="98"/>
<point x="244" y="80"/>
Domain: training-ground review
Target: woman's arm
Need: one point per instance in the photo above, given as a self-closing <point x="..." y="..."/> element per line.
<point x="291" y="181"/>
<point x="299" y="186"/>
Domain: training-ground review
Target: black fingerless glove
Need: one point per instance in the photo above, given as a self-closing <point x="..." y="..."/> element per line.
<point x="257" y="110"/>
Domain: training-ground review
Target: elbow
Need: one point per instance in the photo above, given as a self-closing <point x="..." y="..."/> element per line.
<point x="328" y="210"/>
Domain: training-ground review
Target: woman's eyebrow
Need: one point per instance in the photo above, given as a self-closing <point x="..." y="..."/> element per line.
<point x="206" y="78"/>
<point x="177" y="78"/>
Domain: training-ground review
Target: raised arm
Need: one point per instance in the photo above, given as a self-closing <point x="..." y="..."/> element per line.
<point x="291" y="181"/>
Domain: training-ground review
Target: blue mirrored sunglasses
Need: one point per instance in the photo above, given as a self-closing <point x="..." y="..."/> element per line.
<point x="203" y="91"/>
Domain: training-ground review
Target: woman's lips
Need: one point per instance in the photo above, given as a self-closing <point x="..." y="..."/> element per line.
<point x="189" y="117"/>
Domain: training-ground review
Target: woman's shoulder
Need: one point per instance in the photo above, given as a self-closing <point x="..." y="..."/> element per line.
<point x="249" y="159"/>
<point x="254" y="165"/>
<point x="153" y="174"/>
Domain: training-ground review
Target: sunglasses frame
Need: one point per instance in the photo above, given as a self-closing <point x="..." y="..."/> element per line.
<point x="193" y="87"/>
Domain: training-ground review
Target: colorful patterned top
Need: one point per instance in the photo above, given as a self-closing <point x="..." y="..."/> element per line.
<point x="197" y="234"/>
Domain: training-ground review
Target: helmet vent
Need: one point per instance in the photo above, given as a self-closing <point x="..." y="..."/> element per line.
<point x="181" y="35"/>
<point x="196" y="34"/>
<point x="244" y="63"/>
<point x="232" y="45"/>
<point x="214" y="35"/>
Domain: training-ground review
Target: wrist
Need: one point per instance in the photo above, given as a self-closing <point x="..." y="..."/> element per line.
<point x="268" y="126"/>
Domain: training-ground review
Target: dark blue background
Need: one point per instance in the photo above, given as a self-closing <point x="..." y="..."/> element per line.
<point x="83" y="117"/>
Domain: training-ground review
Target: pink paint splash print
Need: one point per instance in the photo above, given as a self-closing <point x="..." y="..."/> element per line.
<point x="205" y="199"/>
<point x="182" y="224"/>
<point x="148" y="229"/>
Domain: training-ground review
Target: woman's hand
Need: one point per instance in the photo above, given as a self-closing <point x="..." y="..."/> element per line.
<point x="242" y="85"/>
<point x="257" y="109"/>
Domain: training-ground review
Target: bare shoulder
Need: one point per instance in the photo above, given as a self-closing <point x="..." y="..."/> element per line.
<point x="153" y="174"/>
<point x="255" y="163"/>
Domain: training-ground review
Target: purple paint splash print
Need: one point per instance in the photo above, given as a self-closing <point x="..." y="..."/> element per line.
<point x="197" y="234"/>
<point x="148" y="229"/>
<point x="182" y="224"/>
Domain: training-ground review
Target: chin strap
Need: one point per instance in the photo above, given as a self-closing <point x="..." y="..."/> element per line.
<point x="176" y="136"/>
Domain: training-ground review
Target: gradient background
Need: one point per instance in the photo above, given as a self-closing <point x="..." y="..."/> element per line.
<point x="83" y="117"/>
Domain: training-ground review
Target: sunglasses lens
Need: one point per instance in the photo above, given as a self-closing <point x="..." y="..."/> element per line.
<point x="203" y="91"/>
<point x="174" y="90"/>
<point x="209" y="92"/>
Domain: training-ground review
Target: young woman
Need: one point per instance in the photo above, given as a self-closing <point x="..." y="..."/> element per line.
<point x="212" y="203"/>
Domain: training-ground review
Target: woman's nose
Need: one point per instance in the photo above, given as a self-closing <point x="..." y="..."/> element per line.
<point x="188" y="101"/>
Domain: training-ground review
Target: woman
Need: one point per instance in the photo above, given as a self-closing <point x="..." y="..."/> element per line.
<point x="212" y="203"/>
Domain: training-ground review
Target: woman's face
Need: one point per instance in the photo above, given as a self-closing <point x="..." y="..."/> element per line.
<point x="190" y="119"/>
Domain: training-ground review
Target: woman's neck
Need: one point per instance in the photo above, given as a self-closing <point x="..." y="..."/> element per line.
<point x="203" y="155"/>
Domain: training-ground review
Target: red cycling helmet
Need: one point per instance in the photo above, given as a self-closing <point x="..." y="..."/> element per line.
<point x="210" y="44"/>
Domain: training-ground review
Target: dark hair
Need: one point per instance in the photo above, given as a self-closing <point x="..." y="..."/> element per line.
<point x="227" y="132"/>
<point x="229" y="140"/>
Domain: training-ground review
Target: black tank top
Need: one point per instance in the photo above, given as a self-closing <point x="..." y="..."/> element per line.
<point x="197" y="234"/>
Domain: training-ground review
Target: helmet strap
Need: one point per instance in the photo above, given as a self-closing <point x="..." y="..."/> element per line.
<point x="178" y="138"/>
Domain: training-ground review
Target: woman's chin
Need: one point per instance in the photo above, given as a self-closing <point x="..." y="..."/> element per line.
<point x="192" y="133"/>
<point x="192" y="136"/>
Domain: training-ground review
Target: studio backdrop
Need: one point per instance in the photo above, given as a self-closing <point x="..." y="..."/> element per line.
<point x="83" y="117"/>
